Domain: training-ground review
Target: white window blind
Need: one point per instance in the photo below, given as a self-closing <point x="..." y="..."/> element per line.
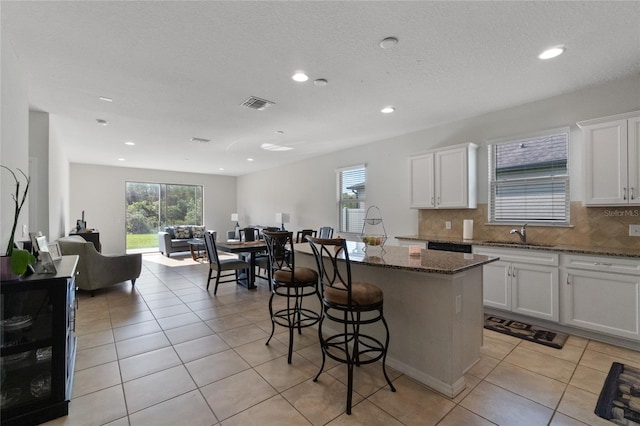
<point x="529" y="180"/>
<point x="351" y="198"/>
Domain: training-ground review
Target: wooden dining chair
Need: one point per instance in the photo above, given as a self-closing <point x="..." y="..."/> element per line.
<point x="325" y="232"/>
<point x="216" y="264"/>
<point x="301" y="236"/>
<point x="249" y="234"/>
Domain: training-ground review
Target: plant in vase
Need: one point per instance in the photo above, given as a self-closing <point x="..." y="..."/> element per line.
<point x="19" y="259"/>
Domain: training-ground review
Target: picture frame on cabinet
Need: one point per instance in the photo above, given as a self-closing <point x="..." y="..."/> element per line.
<point x="46" y="260"/>
<point x="54" y="251"/>
<point x="33" y="236"/>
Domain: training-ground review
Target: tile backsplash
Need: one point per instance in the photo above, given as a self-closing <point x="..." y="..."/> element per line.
<point x="590" y="226"/>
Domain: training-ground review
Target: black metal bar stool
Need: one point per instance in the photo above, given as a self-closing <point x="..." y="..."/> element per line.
<point x="290" y="282"/>
<point x="344" y="302"/>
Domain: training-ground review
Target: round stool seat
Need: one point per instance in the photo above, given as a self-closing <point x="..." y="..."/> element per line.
<point x="301" y="276"/>
<point x="362" y="294"/>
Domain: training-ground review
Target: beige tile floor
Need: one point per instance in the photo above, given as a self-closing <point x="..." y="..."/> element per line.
<point x="170" y="353"/>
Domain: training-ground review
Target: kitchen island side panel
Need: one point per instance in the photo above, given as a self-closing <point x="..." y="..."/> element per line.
<point x="435" y="321"/>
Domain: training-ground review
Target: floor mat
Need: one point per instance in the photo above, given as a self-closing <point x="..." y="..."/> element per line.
<point x="525" y="331"/>
<point x="619" y="400"/>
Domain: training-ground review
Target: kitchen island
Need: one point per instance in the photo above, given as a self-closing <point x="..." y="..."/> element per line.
<point x="433" y="304"/>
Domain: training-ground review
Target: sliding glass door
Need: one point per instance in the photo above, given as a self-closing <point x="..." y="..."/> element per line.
<point x="153" y="206"/>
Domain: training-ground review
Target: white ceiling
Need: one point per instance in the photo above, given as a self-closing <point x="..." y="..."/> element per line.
<point x="177" y="70"/>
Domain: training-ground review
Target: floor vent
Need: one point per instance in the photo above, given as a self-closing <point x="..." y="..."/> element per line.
<point x="257" y="103"/>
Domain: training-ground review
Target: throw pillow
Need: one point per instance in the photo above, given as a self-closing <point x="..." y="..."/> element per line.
<point x="198" y="231"/>
<point x="182" y="232"/>
<point x="171" y="231"/>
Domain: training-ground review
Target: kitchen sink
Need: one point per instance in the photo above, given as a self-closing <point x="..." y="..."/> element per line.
<point x="518" y="244"/>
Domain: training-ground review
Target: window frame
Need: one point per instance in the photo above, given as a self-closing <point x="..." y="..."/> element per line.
<point x="549" y="179"/>
<point x="340" y="202"/>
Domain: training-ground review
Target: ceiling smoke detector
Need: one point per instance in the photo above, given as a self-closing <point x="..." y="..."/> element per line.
<point x="257" y="103"/>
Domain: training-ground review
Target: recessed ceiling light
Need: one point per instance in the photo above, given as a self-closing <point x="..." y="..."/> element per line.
<point x="273" y="147"/>
<point x="130" y="143"/>
<point x="221" y="168"/>
<point x="320" y="82"/>
<point x="249" y="159"/>
<point x="300" y="77"/>
<point x="104" y="98"/>
<point x="121" y="159"/>
<point x="387" y="110"/>
<point x="552" y="53"/>
<point x="388" y="42"/>
<point x="101" y="122"/>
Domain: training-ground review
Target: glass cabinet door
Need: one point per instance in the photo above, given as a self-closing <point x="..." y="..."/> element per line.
<point x="26" y="346"/>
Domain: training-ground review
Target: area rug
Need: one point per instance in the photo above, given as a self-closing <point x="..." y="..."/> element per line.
<point x="525" y="331"/>
<point x="619" y="400"/>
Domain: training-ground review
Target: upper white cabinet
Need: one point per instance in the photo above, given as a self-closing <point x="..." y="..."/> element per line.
<point x="612" y="160"/>
<point x="444" y="178"/>
<point x="422" y="181"/>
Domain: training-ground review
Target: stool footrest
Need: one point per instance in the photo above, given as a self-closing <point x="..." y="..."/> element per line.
<point x="289" y="317"/>
<point x="372" y="348"/>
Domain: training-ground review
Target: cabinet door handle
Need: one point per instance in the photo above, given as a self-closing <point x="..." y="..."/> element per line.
<point x="509" y="271"/>
<point x="432" y="201"/>
<point x="624" y="196"/>
<point x="601" y="264"/>
<point x="438" y="200"/>
<point x="513" y="272"/>
<point x="631" y="193"/>
<point x="568" y="282"/>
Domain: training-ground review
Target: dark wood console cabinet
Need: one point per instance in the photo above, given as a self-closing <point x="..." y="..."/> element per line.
<point x="38" y="345"/>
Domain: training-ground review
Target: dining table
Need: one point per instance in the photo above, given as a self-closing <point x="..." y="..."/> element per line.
<point x="250" y="248"/>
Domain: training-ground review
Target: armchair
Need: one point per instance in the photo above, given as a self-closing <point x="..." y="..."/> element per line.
<point x="96" y="270"/>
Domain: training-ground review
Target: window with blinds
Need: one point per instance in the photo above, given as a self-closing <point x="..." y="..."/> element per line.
<point x="351" y="198"/>
<point x="529" y="180"/>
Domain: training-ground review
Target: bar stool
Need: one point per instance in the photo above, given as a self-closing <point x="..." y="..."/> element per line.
<point x="344" y="302"/>
<point x="291" y="282"/>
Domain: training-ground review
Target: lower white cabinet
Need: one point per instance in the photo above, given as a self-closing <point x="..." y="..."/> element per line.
<point x="522" y="281"/>
<point x="601" y="294"/>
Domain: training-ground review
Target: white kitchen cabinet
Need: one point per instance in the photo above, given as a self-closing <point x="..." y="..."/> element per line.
<point x="612" y="160"/>
<point x="422" y="181"/>
<point x="522" y="281"/>
<point x="601" y="294"/>
<point x="444" y="178"/>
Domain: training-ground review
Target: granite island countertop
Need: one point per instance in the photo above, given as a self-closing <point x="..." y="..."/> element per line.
<point x="397" y="257"/>
<point x="565" y="248"/>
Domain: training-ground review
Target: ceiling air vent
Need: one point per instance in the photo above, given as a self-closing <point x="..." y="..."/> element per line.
<point x="201" y="140"/>
<point x="257" y="103"/>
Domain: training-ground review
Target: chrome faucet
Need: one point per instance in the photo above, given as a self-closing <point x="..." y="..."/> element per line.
<point x="522" y="233"/>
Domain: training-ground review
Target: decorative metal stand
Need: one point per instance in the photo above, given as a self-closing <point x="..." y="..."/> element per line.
<point x="373" y="233"/>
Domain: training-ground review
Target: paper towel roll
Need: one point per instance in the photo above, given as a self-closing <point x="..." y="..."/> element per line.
<point x="467" y="229"/>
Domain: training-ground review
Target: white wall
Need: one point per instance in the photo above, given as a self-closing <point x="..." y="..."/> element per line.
<point x="307" y="189"/>
<point x="39" y="171"/>
<point x="14" y="143"/>
<point x="100" y="192"/>
<point x="58" y="185"/>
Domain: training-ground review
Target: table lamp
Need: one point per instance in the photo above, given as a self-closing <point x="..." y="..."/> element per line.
<point x="234" y="218"/>
<point x="282" y="218"/>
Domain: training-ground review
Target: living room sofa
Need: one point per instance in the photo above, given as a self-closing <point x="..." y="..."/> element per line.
<point x="96" y="270"/>
<point x="174" y="238"/>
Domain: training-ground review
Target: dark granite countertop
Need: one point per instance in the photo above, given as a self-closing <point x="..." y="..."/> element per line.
<point x="395" y="257"/>
<point x="569" y="249"/>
